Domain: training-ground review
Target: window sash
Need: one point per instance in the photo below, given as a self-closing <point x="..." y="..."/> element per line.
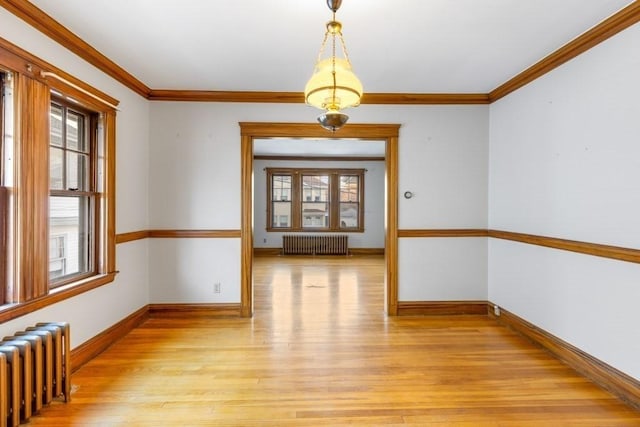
<point x="280" y="193"/>
<point x="74" y="221"/>
<point x="73" y="211"/>
<point x="6" y="178"/>
<point x="349" y="210"/>
<point x="281" y="214"/>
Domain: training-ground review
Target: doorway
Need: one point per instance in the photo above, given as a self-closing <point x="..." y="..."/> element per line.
<point x="382" y="132"/>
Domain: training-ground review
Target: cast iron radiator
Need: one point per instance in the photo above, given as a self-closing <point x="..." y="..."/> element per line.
<point x="35" y="368"/>
<point x="320" y="244"/>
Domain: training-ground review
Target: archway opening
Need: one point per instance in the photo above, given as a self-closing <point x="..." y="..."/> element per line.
<point x="382" y="132"/>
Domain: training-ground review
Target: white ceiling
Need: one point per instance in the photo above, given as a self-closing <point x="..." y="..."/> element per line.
<point x="401" y="46"/>
<point x="404" y="46"/>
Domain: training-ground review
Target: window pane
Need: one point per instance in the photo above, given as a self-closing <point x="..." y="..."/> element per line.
<point x="56" y="177"/>
<point x="281" y="215"/>
<point x="98" y="156"/>
<point x="315" y="188"/>
<point x="315" y="215"/>
<point x="6" y="180"/>
<point x="69" y="245"/>
<point x="281" y="189"/>
<point x="349" y="215"/>
<point x="75" y="132"/>
<point x="349" y="191"/>
<point x="7" y="121"/>
<point x="77" y="165"/>
<point x="56" y="125"/>
<point x="57" y="258"/>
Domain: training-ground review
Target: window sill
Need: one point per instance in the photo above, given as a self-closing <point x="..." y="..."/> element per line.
<point x="13" y="311"/>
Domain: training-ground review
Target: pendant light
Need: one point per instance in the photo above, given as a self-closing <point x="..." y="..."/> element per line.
<point x="333" y="85"/>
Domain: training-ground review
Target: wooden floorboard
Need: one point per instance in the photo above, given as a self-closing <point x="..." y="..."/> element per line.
<point x="320" y="351"/>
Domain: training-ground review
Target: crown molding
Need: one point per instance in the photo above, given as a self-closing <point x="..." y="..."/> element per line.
<point x="298" y="97"/>
<point x="226" y="96"/>
<point x="35" y="17"/>
<point x="424" y="98"/>
<point x="596" y="35"/>
<point x="30" y="65"/>
<point x="42" y="22"/>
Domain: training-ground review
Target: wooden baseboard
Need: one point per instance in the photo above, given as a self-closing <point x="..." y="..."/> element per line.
<point x="366" y="251"/>
<point x="426" y="308"/>
<point x="96" y="345"/>
<point x="194" y="310"/>
<point x="616" y="382"/>
<point x="267" y="251"/>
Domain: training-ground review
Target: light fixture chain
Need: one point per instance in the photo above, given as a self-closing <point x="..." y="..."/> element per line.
<point x="333" y="52"/>
<point x="333" y="66"/>
<point x="333" y="85"/>
<point x="344" y="48"/>
<point x="322" y="46"/>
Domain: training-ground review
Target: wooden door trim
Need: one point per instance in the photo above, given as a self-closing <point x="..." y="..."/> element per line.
<point x="384" y="132"/>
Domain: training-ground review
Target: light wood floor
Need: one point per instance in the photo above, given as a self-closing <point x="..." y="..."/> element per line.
<point x="320" y="351"/>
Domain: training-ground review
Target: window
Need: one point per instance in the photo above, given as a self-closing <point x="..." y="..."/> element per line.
<point x="349" y="201"/>
<point x="280" y="201"/>
<point x="57" y="182"/>
<point x="315" y="199"/>
<point x="72" y="192"/>
<point x="315" y="207"/>
<point x="6" y="154"/>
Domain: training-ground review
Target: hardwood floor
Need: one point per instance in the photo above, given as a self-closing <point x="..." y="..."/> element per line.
<point x="320" y="351"/>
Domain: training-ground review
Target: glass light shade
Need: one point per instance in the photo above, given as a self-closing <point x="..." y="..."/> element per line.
<point x="321" y="92"/>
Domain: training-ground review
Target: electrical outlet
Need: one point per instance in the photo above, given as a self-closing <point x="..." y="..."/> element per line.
<point x="496" y="310"/>
<point x="264" y="240"/>
<point x="216" y="287"/>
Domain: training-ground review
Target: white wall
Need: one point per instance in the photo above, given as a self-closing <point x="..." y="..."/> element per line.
<point x="374" y="201"/>
<point x="442" y="269"/>
<point x="187" y="269"/>
<point x="96" y="310"/>
<point x="565" y="162"/>
<point x="447" y="170"/>
<point x="195" y="183"/>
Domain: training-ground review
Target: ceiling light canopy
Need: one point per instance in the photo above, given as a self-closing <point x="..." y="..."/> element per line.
<point x="333" y="85"/>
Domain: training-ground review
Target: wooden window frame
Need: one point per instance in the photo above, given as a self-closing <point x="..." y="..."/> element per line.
<point x="34" y="82"/>
<point x="4" y="207"/>
<point x="91" y="124"/>
<point x="297" y="199"/>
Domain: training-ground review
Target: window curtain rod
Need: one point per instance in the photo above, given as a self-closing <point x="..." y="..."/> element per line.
<point x="46" y="74"/>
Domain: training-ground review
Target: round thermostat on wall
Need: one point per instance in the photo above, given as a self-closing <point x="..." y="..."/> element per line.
<point x="408" y="194"/>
